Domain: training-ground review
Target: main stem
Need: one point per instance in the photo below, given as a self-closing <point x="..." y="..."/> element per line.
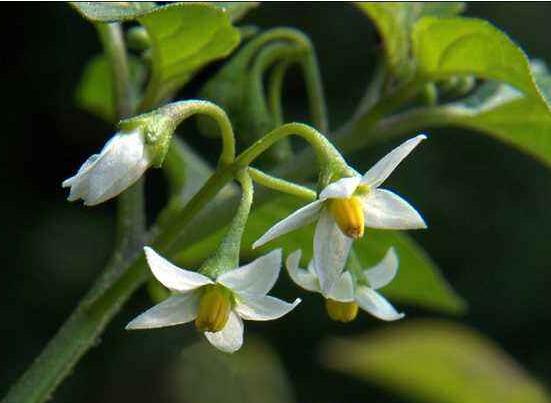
<point x="101" y="303"/>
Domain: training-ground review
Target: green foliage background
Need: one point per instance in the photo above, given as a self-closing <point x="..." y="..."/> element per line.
<point x="486" y="205"/>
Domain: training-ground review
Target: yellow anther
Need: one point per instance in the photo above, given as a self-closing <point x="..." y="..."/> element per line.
<point x="341" y="311"/>
<point x="348" y="214"/>
<point x="214" y="309"/>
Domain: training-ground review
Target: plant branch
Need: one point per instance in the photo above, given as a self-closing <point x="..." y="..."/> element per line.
<point x="101" y="303"/>
<point x="281" y="185"/>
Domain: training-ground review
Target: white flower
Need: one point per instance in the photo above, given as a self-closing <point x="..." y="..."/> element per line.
<point x="346" y="294"/>
<point x="344" y="207"/>
<point x="218" y="305"/>
<point x="121" y="162"/>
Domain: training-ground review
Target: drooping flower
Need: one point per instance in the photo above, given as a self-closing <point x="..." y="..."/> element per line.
<point x="344" y="208"/>
<point x="349" y="292"/>
<point x="121" y="162"/>
<point x="218" y="306"/>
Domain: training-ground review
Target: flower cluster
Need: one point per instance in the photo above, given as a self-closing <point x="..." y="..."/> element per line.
<point x="221" y="294"/>
<point x="342" y="210"/>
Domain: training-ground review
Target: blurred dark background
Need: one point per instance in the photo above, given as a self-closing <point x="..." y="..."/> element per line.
<point x="487" y="206"/>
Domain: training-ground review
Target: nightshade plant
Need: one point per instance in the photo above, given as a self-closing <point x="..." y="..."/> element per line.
<point x="436" y="68"/>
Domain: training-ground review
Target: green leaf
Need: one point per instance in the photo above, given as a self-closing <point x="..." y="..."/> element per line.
<point x="503" y="112"/>
<point x="446" y="47"/>
<point x="237" y="9"/>
<point x="110" y="11"/>
<point x="435" y="361"/>
<point x="202" y="374"/>
<point x="185" y="37"/>
<point x="418" y="281"/>
<point x="95" y="92"/>
<point x="543" y="78"/>
<point x="394" y="21"/>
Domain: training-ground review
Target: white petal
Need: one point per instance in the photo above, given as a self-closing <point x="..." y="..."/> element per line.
<point x="343" y="289"/>
<point x="262" y="307"/>
<point x="171" y="276"/>
<point x="172" y="311"/>
<point x="230" y="338"/>
<point x="331" y="249"/>
<point x="383" y="272"/>
<point x="299" y="218"/>
<point x="303" y="278"/>
<point x="382" y="169"/>
<point x="386" y="210"/>
<point x="257" y="277"/>
<point x="122" y="162"/>
<point x="342" y="188"/>
<point x="376" y="304"/>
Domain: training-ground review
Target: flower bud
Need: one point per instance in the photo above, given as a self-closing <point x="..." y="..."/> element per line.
<point x="348" y="214"/>
<point x="214" y="309"/>
<point x="121" y="162"/>
<point x="341" y="311"/>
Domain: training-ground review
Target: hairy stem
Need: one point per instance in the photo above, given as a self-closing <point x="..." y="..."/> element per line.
<point x="99" y="305"/>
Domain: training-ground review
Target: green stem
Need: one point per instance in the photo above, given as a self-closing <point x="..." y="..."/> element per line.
<point x="373" y="91"/>
<point x="275" y="89"/>
<point x="330" y="159"/>
<point x="226" y="256"/>
<point x="281" y="185"/>
<point x="309" y="64"/>
<point x="314" y="89"/>
<point x="270" y="54"/>
<point x="179" y="111"/>
<point x="99" y="305"/>
<point x="112" y="39"/>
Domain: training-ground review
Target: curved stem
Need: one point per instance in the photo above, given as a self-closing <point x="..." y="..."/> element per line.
<point x="314" y="89"/>
<point x="275" y="89"/>
<point x="326" y="152"/>
<point x="309" y="64"/>
<point x="331" y="161"/>
<point x="179" y="111"/>
<point x="270" y="54"/>
<point x="281" y="185"/>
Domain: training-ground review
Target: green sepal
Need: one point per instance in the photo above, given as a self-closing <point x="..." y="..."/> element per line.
<point x="226" y="255"/>
<point x="158" y="130"/>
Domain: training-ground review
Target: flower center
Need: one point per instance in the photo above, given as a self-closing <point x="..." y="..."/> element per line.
<point x="348" y="214"/>
<point x="214" y="309"/>
<point x="341" y="311"/>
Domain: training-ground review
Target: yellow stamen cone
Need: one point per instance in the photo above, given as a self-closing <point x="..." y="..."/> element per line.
<point x="214" y="309"/>
<point x="341" y="311"/>
<point x="348" y="214"/>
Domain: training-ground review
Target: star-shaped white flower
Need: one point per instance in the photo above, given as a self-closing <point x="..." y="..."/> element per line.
<point x="347" y="290"/>
<point x="221" y="303"/>
<point x="121" y="162"/>
<point x="342" y="210"/>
